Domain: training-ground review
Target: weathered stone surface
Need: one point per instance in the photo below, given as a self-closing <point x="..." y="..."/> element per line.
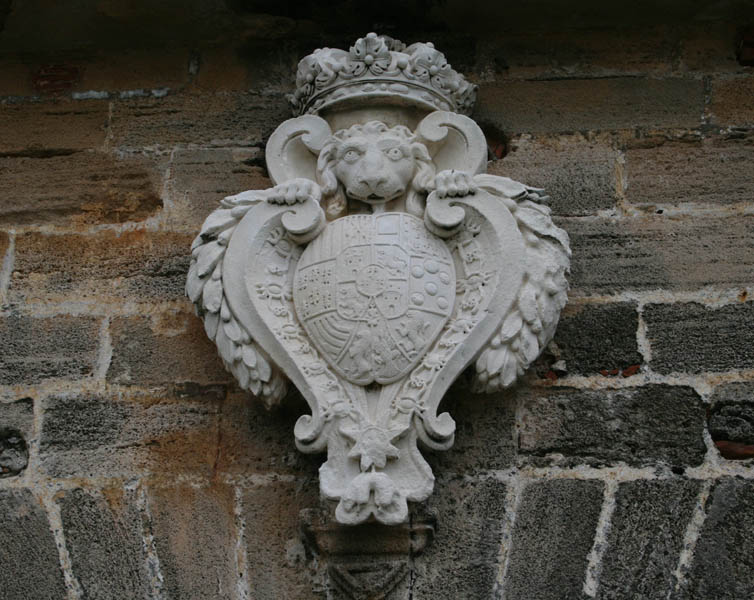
<point x="194" y="534"/>
<point x="731" y="420"/>
<point x="85" y="188"/>
<point x="638" y="426"/>
<point x="16" y="430"/>
<point x="700" y="171"/>
<point x="724" y="556"/>
<point x="485" y="432"/>
<point x="577" y="173"/>
<point x="51" y="128"/>
<point x="646" y="538"/>
<point x="103" y="534"/>
<point x="714" y="339"/>
<point x="731" y="101"/>
<point x="591" y="104"/>
<point x="4" y="242"/>
<point x="161" y="431"/>
<point x="223" y="119"/>
<point x="38" y="349"/>
<point x="657" y="252"/>
<point x="256" y="440"/>
<point x="137" y="70"/>
<point x="274" y="550"/>
<point x="552" y="537"/>
<point x="594" y="338"/>
<point x="98" y="269"/>
<point x="149" y="351"/>
<point x="462" y="561"/>
<point x="201" y="178"/>
<point x="28" y="555"/>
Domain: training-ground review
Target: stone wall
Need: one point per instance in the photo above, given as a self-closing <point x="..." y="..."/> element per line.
<point x="132" y="467"/>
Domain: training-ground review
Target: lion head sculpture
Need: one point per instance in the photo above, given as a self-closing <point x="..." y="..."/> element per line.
<point x="374" y="164"/>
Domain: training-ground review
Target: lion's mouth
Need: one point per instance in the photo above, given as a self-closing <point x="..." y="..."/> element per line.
<point x="374" y="197"/>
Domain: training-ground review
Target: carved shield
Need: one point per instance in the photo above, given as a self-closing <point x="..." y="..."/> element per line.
<point x="373" y="292"/>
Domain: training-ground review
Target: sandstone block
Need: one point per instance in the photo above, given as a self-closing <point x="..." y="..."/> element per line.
<point x="594" y="338"/>
<point x="174" y="348"/>
<point x="731" y="101"/>
<point x="193" y="530"/>
<point x="128" y="434"/>
<point x="51" y="128"/>
<point x="657" y="252"/>
<point x="713" y="339"/>
<point x="201" y="178"/>
<point x="38" y="349"/>
<point x="96" y="270"/>
<point x="577" y="173"/>
<point x="552" y="537"/>
<point x="724" y="556"/>
<point x="103" y="534"/>
<point x="638" y="426"/>
<point x="462" y="561"/>
<point x="485" y="432"/>
<point x="224" y="119"/>
<point x="84" y="188"/>
<point x="646" y="538"/>
<point x="590" y="104"/>
<point x="29" y="557"/>
<point x="709" y="171"/>
<point x="274" y="550"/>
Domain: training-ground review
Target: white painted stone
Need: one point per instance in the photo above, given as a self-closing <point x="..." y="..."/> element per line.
<point x="380" y="266"/>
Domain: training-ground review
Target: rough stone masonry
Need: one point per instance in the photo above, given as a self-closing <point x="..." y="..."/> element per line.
<point x="131" y="466"/>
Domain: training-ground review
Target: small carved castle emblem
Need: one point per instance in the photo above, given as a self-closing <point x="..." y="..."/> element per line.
<point x="381" y="265"/>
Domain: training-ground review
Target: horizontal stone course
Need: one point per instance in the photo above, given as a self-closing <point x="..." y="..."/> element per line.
<point x="590" y="104"/>
<point x="578" y="174"/>
<point x="645" y="538"/>
<point x="36" y="349"/>
<point x="49" y="128"/>
<point x="659" y="252"/>
<point x="219" y="119"/>
<point x="552" y="536"/>
<point x="100" y="269"/>
<point x="598" y="338"/>
<point x="129" y="433"/>
<point x="80" y="189"/>
<point x="639" y="426"/>
<point x="28" y="554"/>
<point x="702" y="171"/>
<point x="693" y="338"/>
<point x="148" y="351"/>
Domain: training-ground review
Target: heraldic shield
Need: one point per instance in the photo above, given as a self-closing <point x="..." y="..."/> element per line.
<point x="373" y="292"/>
<point x="382" y="264"/>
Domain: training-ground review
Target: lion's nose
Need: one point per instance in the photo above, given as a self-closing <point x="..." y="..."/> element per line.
<point x="372" y="170"/>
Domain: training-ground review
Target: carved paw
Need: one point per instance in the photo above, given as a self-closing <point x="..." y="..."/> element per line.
<point x="454" y="183"/>
<point x="295" y="191"/>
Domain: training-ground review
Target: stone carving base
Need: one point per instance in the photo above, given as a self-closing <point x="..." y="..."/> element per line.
<point x="370" y="561"/>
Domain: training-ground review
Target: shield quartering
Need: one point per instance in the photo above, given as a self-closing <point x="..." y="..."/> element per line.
<point x="373" y="292"/>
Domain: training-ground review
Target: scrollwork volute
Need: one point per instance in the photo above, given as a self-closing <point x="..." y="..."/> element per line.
<point x="382" y="264"/>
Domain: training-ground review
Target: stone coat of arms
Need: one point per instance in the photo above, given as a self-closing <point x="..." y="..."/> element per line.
<point x="382" y="264"/>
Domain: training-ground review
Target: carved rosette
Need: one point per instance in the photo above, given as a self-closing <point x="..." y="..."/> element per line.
<point x="427" y="266"/>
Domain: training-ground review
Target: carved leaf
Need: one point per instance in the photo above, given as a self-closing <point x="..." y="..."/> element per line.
<point x="531" y="321"/>
<point x="204" y="287"/>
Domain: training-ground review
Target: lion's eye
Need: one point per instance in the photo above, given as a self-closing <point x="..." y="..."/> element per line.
<point x="394" y="153"/>
<point x="351" y="156"/>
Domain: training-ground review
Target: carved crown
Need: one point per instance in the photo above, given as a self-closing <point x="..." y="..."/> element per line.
<point x="381" y="68"/>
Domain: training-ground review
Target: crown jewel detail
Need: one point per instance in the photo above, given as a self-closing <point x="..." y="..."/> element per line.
<point x="380" y="66"/>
